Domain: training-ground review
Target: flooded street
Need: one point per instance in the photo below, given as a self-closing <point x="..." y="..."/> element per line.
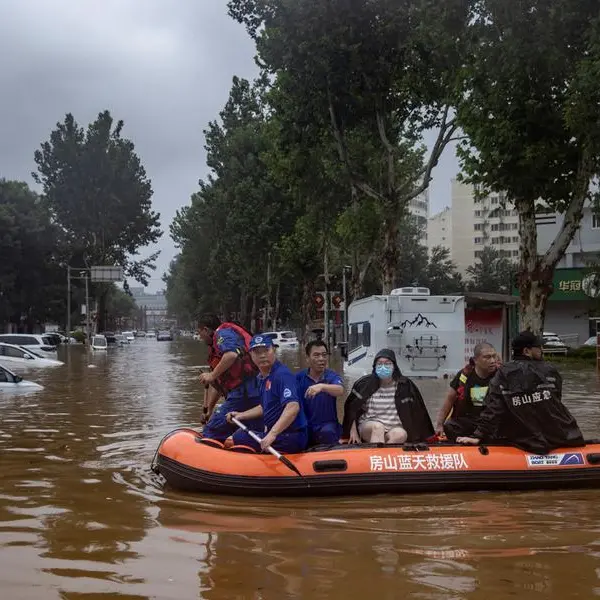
<point x="82" y="516"/>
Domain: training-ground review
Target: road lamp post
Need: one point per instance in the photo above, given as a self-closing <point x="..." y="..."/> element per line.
<point x="345" y="320"/>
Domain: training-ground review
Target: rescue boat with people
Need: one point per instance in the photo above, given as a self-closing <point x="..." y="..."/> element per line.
<point x="190" y="465"/>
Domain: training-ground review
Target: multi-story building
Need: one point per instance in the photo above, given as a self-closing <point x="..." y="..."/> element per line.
<point x="480" y="222"/>
<point x="475" y="223"/>
<point x="439" y="230"/>
<point x="419" y="208"/>
<point x="153" y="305"/>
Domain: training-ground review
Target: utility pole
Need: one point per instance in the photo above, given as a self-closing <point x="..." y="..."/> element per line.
<point x="87" y="305"/>
<point x="345" y="319"/>
<point x="68" y="332"/>
<point x="268" y="316"/>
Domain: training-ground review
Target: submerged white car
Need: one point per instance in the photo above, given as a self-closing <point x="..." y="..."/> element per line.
<point x="9" y="381"/>
<point x="284" y="339"/>
<point x="19" y="355"/>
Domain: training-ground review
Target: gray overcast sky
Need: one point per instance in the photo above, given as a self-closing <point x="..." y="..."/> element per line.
<point x="163" y="66"/>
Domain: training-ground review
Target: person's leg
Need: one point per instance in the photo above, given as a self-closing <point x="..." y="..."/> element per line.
<point x="291" y="443"/>
<point x="242" y="442"/>
<point x="396" y="435"/>
<point x="327" y="434"/>
<point x="217" y="427"/>
<point x="459" y="427"/>
<point x="372" y="432"/>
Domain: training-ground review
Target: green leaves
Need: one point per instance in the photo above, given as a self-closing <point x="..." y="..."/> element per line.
<point x="98" y="192"/>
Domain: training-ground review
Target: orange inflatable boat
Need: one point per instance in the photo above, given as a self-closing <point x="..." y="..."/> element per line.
<point x="187" y="464"/>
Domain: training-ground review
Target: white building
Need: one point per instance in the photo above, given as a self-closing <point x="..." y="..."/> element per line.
<point x="472" y="224"/>
<point x="419" y="208"/>
<point x="439" y="230"/>
<point x="481" y="222"/>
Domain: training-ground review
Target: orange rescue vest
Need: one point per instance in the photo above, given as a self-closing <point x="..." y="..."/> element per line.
<point x="241" y="370"/>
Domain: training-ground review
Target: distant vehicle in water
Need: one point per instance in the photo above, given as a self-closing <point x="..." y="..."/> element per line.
<point x="20" y="355"/>
<point x="9" y="381"/>
<point x="99" y="342"/>
<point x="128" y="335"/>
<point x="284" y="339"/>
<point x="553" y="344"/>
<point x="164" y="336"/>
<point x="593" y="341"/>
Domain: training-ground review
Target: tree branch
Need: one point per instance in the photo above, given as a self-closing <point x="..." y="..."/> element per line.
<point x="447" y="129"/>
<point x="573" y="214"/>
<point x="364" y="187"/>
<point x="391" y="155"/>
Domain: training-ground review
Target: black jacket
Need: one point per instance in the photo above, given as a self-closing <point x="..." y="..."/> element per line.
<point x="524" y="406"/>
<point x="409" y="404"/>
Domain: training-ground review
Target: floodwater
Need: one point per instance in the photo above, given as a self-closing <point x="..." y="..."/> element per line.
<point x="82" y="516"/>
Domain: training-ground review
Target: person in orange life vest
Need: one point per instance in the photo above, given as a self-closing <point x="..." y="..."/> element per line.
<point x="285" y="422"/>
<point x="466" y="394"/>
<point x="319" y="388"/>
<point x="233" y="375"/>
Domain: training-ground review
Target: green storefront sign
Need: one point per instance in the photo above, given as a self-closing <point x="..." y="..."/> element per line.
<point x="568" y="285"/>
<point x="573" y="285"/>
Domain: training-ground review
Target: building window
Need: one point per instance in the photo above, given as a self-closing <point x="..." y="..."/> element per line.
<point x="515" y="240"/>
<point x="477" y="213"/>
<point x="514" y="226"/>
<point x="596" y="221"/>
<point x="478" y="226"/>
<point x="515" y="253"/>
<point x="478" y="240"/>
<point x="478" y="253"/>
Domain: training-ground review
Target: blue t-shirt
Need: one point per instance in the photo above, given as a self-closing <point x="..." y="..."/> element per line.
<point x="277" y="389"/>
<point x="322" y="408"/>
<point x="229" y="340"/>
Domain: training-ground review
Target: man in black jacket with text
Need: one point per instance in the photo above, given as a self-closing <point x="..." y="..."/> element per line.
<point x="523" y="406"/>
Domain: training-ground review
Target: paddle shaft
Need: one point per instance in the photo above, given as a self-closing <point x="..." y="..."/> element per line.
<point x="272" y="450"/>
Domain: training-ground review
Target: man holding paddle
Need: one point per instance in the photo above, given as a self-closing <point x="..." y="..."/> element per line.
<point x="281" y="408"/>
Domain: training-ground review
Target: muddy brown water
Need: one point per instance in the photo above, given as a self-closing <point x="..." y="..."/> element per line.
<point x="82" y="516"/>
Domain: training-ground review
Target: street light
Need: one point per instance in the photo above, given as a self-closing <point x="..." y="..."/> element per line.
<point x="344" y="269"/>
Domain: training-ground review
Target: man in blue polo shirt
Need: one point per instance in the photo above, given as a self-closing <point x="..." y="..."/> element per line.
<point x="280" y="405"/>
<point x="319" y="387"/>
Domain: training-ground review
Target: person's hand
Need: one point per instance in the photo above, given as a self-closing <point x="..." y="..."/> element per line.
<point x="268" y="440"/>
<point x="439" y="428"/>
<point x="313" y="390"/>
<point x="468" y="441"/>
<point x="354" y="437"/>
<point x="206" y="415"/>
<point x="233" y="414"/>
<point x="206" y="378"/>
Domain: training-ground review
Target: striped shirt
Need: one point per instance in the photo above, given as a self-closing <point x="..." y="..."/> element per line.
<point x="381" y="407"/>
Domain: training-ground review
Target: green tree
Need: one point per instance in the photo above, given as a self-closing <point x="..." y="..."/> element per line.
<point x="32" y="282"/>
<point x="491" y="273"/>
<point x="529" y="106"/>
<point x="99" y="195"/>
<point x="384" y="68"/>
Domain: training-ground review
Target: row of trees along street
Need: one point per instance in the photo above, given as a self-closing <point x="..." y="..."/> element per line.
<point x="314" y="164"/>
<point x="94" y="209"/>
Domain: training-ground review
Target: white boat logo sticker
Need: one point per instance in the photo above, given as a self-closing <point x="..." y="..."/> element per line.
<point x="555" y="460"/>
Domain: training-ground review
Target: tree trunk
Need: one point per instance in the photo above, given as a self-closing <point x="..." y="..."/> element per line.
<point x="253" y="314"/>
<point x="244" y="306"/>
<point x="389" y="257"/>
<point x="277" y="306"/>
<point x="308" y="293"/>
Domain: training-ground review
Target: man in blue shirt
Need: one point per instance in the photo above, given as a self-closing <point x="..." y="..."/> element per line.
<point x="319" y="387"/>
<point x="280" y="405"/>
<point x="233" y="375"/>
